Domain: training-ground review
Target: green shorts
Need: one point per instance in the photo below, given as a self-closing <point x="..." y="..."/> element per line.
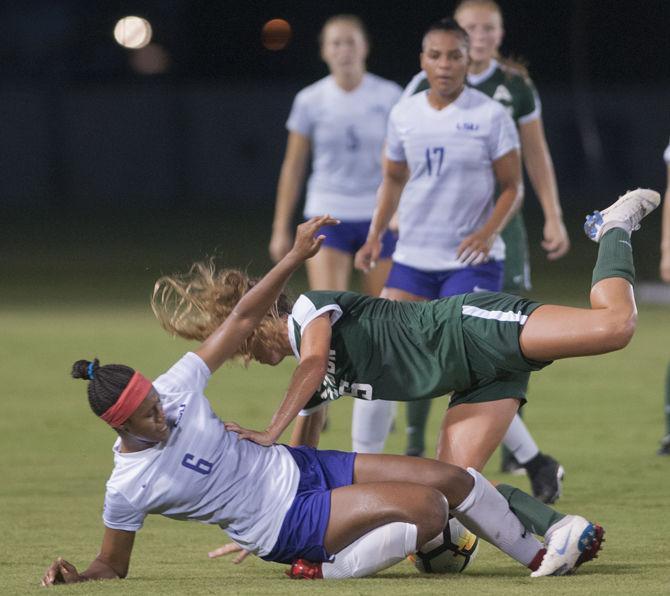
<point x="492" y="323"/>
<point x="517" y="260"/>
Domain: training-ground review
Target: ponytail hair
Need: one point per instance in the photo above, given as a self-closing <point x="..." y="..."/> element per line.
<point x="193" y="305"/>
<point x="105" y="383"/>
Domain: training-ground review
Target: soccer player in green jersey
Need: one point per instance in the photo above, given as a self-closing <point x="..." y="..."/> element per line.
<point x="508" y="83"/>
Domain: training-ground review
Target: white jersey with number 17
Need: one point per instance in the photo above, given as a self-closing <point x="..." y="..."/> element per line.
<point x="451" y="189"/>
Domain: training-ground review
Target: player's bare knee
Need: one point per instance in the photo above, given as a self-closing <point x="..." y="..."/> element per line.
<point x="433" y="515"/>
<point x="621" y="330"/>
<point x="456" y="484"/>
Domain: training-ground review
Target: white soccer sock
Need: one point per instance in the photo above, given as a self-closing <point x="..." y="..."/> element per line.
<point x="370" y="424"/>
<point x="376" y="550"/>
<point x="519" y="441"/>
<point x="486" y="513"/>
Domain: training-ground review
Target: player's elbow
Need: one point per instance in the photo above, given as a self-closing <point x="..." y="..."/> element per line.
<point x="620" y="331"/>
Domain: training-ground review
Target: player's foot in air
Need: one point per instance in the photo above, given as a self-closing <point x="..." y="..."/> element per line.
<point x="630" y="208"/>
<point x="303" y="569"/>
<point x="570" y="542"/>
<point x="664" y="449"/>
<point x="546" y="479"/>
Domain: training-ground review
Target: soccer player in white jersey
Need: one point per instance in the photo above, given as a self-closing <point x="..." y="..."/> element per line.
<point x="447" y="149"/>
<point x="348" y="515"/>
<point x="664" y="449"/>
<point x="508" y="82"/>
<point x="341" y="120"/>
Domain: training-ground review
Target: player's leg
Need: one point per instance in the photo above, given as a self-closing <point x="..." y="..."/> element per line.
<point x="329" y="269"/>
<point x="545" y="473"/>
<point x="472" y="499"/>
<point x="371" y="424"/>
<point x="553" y="332"/>
<point x="471" y="432"/>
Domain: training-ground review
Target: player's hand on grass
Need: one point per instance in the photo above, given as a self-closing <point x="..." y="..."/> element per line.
<point x="556" y="241"/>
<point x="229" y="549"/>
<point x="280" y="244"/>
<point x="307" y="242"/>
<point x="60" y="572"/>
<point x="366" y="258"/>
<point x="264" y="438"/>
<point x="474" y="249"/>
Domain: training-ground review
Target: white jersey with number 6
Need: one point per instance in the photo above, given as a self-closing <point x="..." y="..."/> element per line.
<point x="346" y="130"/>
<point x="451" y="189"/>
<point x="202" y="472"/>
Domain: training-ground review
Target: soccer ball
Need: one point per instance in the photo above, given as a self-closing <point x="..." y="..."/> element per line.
<point x="452" y="551"/>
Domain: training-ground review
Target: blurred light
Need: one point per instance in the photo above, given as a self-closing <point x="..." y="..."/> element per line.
<point x="276" y="34"/>
<point x="132" y="32"/>
<point x="150" y="60"/>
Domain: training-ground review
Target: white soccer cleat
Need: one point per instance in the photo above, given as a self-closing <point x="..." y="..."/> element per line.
<point x="570" y="542"/>
<point x="630" y="208"/>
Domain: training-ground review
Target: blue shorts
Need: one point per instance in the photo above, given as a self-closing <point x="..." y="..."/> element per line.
<point x="349" y="236"/>
<point x="304" y="527"/>
<point x="439" y="284"/>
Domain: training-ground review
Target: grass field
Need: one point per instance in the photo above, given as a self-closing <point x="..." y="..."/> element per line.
<point x="601" y="417"/>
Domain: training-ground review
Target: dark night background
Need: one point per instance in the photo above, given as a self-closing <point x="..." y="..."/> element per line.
<point x="86" y="139"/>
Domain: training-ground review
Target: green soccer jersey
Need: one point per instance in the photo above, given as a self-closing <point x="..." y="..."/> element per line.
<point x="381" y="349"/>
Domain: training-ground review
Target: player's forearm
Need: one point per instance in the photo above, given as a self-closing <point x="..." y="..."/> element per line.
<point x="665" y="225"/>
<point x="542" y="177"/>
<point x="306" y="379"/>
<point x="508" y="203"/>
<point x="289" y="186"/>
<point x="388" y="198"/>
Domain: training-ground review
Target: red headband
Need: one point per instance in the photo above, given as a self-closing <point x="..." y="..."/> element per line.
<point x="133" y="395"/>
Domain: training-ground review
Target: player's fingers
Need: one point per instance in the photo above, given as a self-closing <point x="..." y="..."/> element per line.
<point x="224" y="550"/>
<point x="464" y="253"/>
<point x="240" y="558"/>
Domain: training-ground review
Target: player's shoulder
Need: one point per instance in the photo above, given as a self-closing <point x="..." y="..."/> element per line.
<point x="666" y="154"/>
<point x="408" y="104"/>
<point x="314" y="90"/>
<point x="382" y="84"/>
<point x="516" y="76"/>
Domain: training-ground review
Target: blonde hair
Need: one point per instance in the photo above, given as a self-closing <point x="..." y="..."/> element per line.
<point x="194" y="304"/>
<point x="510" y="65"/>
<point x="351" y="19"/>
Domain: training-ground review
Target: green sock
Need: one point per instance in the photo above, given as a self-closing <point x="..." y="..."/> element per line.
<point x="667" y="401"/>
<point x="536" y="517"/>
<point x="615" y="257"/>
<point x="417" y="418"/>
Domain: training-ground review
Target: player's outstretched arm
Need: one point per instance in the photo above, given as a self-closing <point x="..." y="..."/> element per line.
<point x="111" y="563"/>
<point x="307" y="378"/>
<point x="254" y="305"/>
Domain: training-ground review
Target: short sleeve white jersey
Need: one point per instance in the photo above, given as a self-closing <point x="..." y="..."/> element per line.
<point x="450" y="191"/>
<point x="666" y="154"/>
<point x="202" y="472"/>
<point x="346" y="131"/>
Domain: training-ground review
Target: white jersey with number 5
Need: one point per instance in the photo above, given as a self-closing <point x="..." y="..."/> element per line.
<point x="451" y="189"/>
<point x="202" y="472"/>
<point x="346" y="130"/>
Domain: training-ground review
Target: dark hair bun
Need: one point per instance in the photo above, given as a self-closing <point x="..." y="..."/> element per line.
<point x="81" y="369"/>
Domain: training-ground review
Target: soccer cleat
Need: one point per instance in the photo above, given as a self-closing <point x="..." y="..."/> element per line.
<point x="509" y="465"/>
<point x="570" y="542"/>
<point x="546" y="480"/>
<point x="630" y="208"/>
<point x="664" y="449"/>
<point x="303" y="569"/>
